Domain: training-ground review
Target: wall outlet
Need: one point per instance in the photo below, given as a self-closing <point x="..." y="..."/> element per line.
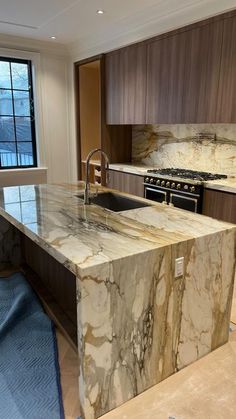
<point x="179" y="267"/>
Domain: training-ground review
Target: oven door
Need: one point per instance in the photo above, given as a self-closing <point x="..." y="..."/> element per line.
<point x="189" y="203"/>
<point x="156" y="195"/>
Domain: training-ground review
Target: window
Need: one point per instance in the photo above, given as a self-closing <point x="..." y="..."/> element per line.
<point x="17" y="123"/>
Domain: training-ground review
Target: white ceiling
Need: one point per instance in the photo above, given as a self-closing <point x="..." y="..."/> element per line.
<point x="76" y="23"/>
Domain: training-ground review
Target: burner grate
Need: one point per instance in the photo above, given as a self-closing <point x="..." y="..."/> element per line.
<point x="187" y="174"/>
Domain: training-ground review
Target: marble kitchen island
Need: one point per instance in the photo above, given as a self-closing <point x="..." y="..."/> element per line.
<point x="137" y="323"/>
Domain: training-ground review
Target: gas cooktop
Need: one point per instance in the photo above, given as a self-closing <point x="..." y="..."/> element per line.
<point x="187" y="174"/>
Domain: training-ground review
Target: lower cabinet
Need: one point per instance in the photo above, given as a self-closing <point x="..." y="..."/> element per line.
<point x="126" y="182"/>
<point x="220" y="205"/>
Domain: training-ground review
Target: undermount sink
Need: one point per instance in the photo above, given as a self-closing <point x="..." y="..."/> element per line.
<point x="115" y="202"/>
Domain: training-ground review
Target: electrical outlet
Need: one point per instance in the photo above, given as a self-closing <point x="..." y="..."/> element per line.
<point x="179" y="267"/>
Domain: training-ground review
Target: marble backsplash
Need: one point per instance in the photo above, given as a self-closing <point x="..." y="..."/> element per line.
<point x="205" y="147"/>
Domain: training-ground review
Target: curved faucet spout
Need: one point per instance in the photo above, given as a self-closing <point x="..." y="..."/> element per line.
<point x="87" y="172"/>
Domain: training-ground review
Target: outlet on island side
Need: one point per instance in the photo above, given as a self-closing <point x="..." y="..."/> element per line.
<point x="179" y="267"/>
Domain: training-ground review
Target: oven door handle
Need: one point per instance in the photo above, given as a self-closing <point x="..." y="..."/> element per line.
<point x="185" y="197"/>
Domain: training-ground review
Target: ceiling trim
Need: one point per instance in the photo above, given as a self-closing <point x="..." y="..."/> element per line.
<point x="5" y="22"/>
<point x="33" y="45"/>
<point x="93" y="45"/>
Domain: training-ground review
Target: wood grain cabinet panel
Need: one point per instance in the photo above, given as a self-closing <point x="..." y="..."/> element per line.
<point x="220" y="205"/>
<point x="126" y="85"/>
<point x="126" y="182"/>
<point x="202" y="73"/>
<point x="187" y="76"/>
<point x="135" y="84"/>
<point x="166" y="59"/>
<point x="114" y="87"/>
<point x="226" y="109"/>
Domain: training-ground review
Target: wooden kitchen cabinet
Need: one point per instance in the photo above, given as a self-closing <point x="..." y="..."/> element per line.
<point x="114" y="87"/>
<point x="185" y="76"/>
<point x="126" y="85"/>
<point x="220" y="205"/>
<point x="202" y="72"/>
<point x="126" y="182"/>
<point x="171" y="79"/>
<point x="166" y="60"/>
<point x="135" y="75"/>
<point x="226" y="109"/>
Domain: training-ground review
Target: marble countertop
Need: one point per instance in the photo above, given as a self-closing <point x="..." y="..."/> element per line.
<point x="81" y="236"/>
<point x="133" y="168"/>
<point x="226" y="185"/>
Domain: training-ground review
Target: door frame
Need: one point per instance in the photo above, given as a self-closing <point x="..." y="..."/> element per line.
<point x="77" y="65"/>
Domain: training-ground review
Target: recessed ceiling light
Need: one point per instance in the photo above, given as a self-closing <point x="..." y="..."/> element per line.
<point x="100" y="12"/>
<point x="53" y="37"/>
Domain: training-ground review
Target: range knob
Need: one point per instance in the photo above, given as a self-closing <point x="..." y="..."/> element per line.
<point x="158" y="182"/>
<point x="186" y="187"/>
<point x="178" y="186"/>
<point x="151" y="180"/>
<point x="167" y="184"/>
<point x="192" y="189"/>
<point x="146" y="179"/>
<point x="163" y="183"/>
<point x="173" y="185"/>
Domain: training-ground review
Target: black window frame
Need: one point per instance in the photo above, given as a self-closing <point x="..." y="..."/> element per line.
<point x="32" y="112"/>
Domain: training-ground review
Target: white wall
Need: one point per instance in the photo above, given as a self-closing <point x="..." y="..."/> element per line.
<point x="55" y="114"/>
<point x="53" y="102"/>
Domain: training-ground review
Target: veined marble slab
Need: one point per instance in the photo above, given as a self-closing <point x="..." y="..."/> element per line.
<point x="204" y="147"/>
<point x="132" y="168"/>
<point x="137" y="323"/>
<point x="225" y="185"/>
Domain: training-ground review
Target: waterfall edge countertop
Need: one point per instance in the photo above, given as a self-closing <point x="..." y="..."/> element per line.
<point x="139" y="319"/>
<point x="81" y="236"/>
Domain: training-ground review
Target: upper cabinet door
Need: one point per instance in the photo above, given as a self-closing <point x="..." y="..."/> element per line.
<point x="166" y="60"/>
<point x="126" y="85"/>
<point x="202" y="73"/>
<point x="184" y="77"/>
<point x="135" y="84"/>
<point x="226" y="109"/>
<point x="114" y="88"/>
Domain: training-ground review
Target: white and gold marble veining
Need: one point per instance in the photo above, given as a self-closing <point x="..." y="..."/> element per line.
<point x="132" y="168"/>
<point x="180" y="146"/>
<point x="226" y="185"/>
<point x="137" y="324"/>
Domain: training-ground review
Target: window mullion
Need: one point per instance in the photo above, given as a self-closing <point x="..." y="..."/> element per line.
<point x="14" y="119"/>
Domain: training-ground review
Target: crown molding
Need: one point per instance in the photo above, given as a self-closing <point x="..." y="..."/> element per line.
<point x="33" y="45"/>
<point x="182" y="16"/>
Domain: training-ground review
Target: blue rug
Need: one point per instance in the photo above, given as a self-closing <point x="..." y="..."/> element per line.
<point x="29" y="370"/>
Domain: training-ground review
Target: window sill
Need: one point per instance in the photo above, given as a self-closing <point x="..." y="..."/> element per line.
<point x="27" y="176"/>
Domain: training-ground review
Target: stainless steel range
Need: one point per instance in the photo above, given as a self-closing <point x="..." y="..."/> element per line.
<point x="177" y="187"/>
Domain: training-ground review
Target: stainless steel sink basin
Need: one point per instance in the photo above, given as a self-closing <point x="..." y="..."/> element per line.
<point x="115" y="202"/>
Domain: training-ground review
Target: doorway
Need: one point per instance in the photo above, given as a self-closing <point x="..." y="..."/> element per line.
<point x="89" y="102"/>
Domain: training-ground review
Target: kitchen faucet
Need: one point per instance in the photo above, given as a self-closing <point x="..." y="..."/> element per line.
<point x="87" y="174"/>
